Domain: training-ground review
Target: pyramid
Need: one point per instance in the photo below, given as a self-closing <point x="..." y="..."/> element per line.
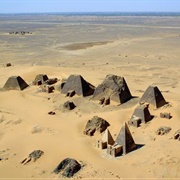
<point x="79" y="85"/>
<point x="141" y="115"/>
<point x="153" y="96"/>
<point x="113" y="87"/>
<point x="15" y="83"/>
<point x="107" y="137"/>
<point x="125" y="139"/>
<point x="96" y="124"/>
<point x="40" y="78"/>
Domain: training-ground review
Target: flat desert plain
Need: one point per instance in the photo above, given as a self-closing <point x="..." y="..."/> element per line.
<point x="145" y="50"/>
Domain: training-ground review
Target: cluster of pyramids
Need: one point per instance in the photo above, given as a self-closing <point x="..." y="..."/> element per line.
<point x="113" y="87"/>
<point x="152" y="97"/>
<point x="17" y="83"/>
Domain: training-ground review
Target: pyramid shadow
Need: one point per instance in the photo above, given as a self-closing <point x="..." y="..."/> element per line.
<point x="132" y="97"/>
<point x="151" y="118"/>
<point x="167" y="103"/>
<point x="138" y="146"/>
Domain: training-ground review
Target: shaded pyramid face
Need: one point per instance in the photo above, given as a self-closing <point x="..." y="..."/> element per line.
<point x="153" y="96"/>
<point x="79" y="85"/>
<point x="15" y="83"/>
<point x="114" y="87"/>
<point x="107" y="137"/>
<point x="125" y="139"/>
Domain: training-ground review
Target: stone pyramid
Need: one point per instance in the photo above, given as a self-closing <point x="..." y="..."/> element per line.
<point x="113" y="87"/>
<point x="143" y="113"/>
<point x="107" y="137"/>
<point x="15" y="83"/>
<point x="125" y="139"/>
<point x="40" y="78"/>
<point x="79" y="85"/>
<point x="153" y="97"/>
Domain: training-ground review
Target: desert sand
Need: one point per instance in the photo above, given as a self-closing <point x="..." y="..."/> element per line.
<point x="143" y="50"/>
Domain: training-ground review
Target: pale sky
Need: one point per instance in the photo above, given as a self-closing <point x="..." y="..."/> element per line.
<point x="25" y="6"/>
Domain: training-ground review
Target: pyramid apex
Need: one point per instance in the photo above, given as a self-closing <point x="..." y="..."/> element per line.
<point x="125" y="139"/>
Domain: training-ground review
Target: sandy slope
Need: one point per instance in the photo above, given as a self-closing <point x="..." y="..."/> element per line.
<point x="25" y="124"/>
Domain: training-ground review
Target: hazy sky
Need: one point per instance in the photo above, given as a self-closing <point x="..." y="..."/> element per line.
<point x="20" y="6"/>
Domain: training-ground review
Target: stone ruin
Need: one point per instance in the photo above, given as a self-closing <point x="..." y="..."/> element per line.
<point x="70" y="93"/>
<point x="163" y="130"/>
<point x="40" y="79"/>
<point x="95" y="124"/>
<point x="60" y="86"/>
<point x="51" y="81"/>
<point x="165" y="115"/>
<point x="15" y="83"/>
<point x="141" y="115"/>
<point x="8" y="65"/>
<point x="36" y="154"/>
<point x="123" y="144"/>
<point x="177" y="135"/>
<point x="47" y="88"/>
<point x="43" y="79"/>
<point x="113" y="88"/>
<point x="45" y="83"/>
<point x="78" y="85"/>
<point x="51" y="113"/>
<point x="106" y="140"/>
<point x="68" y="166"/>
<point x="104" y="101"/>
<point x="153" y="97"/>
<point x="69" y="105"/>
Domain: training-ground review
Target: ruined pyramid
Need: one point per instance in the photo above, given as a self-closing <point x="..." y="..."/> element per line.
<point x="40" y="79"/>
<point x="140" y="115"/>
<point x="113" y="87"/>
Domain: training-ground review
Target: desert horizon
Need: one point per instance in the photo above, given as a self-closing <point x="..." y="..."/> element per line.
<point x="144" y="50"/>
